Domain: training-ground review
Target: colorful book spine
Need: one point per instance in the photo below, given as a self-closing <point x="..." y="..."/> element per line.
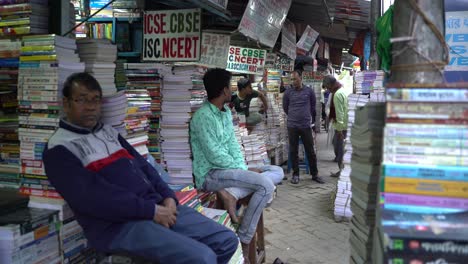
<point x="427" y="201"/>
<point x="426" y="187"/>
<point x="448" y="173"/>
<point x="426" y="95"/>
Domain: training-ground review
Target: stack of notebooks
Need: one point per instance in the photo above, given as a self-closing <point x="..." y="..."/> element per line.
<point x="175" y="117"/>
<point x="255" y="150"/>
<point x="368" y="81"/>
<point x="99" y="57"/>
<point x="9" y="144"/>
<point x="366" y="139"/>
<point x="342" y="209"/>
<point x="424" y="212"/>
<point x="147" y="77"/>
<point x="114" y="111"/>
<point x="45" y="63"/>
<point x="19" y="17"/>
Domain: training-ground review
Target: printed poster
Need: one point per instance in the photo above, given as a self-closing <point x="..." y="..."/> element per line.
<point x="214" y="49"/>
<point x="172" y="35"/>
<point x="246" y="60"/>
<point x="288" y="39"/>
<point x="307" y="39"/>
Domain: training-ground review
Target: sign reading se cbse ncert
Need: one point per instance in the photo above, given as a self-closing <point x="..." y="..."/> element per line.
<point x="246" y="60"/>
<point x="214" y="49"/>
<point x="172" y="35"/>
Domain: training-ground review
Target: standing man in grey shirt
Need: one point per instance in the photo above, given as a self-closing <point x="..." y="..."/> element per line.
<point x="299" y="106"/>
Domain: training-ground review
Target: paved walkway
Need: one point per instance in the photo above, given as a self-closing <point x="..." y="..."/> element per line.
<point x="299" y="225"/>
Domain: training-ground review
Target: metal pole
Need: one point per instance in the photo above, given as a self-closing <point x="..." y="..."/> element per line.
<point x="376" y="6"/>
<point x="419" y="50"/>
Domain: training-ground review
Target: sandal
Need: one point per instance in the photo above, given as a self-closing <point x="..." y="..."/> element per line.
<point x="295" y="179"/>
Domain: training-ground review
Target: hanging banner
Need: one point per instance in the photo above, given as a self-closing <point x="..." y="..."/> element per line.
<point x="246" y="60"/>
<point x="284" y="63"/>
<point x="307" y="39"/>
<point x="288" y="39"/>
<point x="263" y="20"/>
<point x="214" y="49"/>
<point x="172" y="35"/>
<point x="456" y="35"/>
<point x="270" y="60"/>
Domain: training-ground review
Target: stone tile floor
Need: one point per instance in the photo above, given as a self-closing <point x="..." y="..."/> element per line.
<point x="299" y="225"/>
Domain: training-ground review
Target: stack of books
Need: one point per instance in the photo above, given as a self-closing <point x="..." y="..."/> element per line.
<point x="424" y="213"/>
<point x="255" y="150"/>
<point x="275" y="127"/>
<point x="234" y="81"/>
<point x="99" y="57"/>
<point x="366" y="139"/>
<point x="19" y="17"/>
<point x="273" y="81"/>
<point x="45" y="63"/>
<point x="175" y="117"/>
<point x="198" y="92"/>
<point x="342" y="209"/>
<point x="147" y="77"/>
<point x="369" y="81"/>
<point x="120" y="78"/>
<point x="114" y="111"/>
<point x="127" y="8"/>
<point x="29" y="235"/>
<point x="9" y="144"/>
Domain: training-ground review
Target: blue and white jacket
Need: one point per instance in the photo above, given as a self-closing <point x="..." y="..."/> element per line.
<point x="103" y="178"/>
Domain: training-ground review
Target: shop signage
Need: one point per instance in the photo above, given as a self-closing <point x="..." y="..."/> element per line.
<point x="307" y="39"/>
<point x="214" y="48"/>
<point x="288" y="39"/>
<point x="246" y="60"/>
<point x="456" y="35"/>
<point x="284" y="63"/>
<point x="172" y="35"/>
<point x="263" y="20"/>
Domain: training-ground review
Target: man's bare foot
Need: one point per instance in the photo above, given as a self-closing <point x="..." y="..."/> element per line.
<point x="229" y="203"/>
<point x="245" y="252"/>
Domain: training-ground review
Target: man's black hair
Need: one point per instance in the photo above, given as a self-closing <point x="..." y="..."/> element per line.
<point x="299" y="72"/>
<point x="243" y="83"/>
<point x="215" y="80"/>
<point x="82" y="78"/>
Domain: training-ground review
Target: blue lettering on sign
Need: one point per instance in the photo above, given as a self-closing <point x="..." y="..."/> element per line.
<point x="460" y="37"/>
<point x="453" y="23"/>
<point x="465" y="22"/>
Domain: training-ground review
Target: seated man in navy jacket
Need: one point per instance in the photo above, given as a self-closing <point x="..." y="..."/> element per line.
<point x="117" y="196"/>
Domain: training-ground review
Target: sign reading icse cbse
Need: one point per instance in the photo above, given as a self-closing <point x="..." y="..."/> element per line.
<point x="172" y="35"/>
<point x="246" y="60"/>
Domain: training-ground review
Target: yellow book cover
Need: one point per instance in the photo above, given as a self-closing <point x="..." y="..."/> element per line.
<point x="426" y="187"/>
<point x="39" y="58"/>
<point x="37" y="48"/>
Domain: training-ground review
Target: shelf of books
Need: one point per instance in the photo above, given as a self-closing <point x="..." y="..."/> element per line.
<point x="424" y="200"/>
<point x="9" y="143"/>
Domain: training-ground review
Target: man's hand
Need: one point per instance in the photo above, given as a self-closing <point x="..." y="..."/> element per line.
<point x="171" y="204"/>
<point x="255" y="170"/>
<point x="164" y="216"/>
<point x="339" y="134"/>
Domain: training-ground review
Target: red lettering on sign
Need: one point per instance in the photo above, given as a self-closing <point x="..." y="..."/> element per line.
<point x="166" y="48"/>
<point x="172" y="51"/>
<point x="188" y="46"/>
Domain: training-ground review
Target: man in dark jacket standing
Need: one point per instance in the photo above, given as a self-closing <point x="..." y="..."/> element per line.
<point x="117" y="196"/>
<point x="299" y="106"/>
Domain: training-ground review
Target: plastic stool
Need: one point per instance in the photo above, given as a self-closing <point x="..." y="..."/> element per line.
<point x="306" y="160"/>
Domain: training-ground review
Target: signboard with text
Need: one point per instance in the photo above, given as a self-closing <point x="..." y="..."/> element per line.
<point x="171" y="35"/>
<point x="214" y="48"/>
<point x="288" y="39"/>
<point x="270" y="60"/>
<point x="307" y="39"/>
<point x="456" y="35"/>
<point x="263" y="20"/>
<point x="284" y="63"/>
<point x="246" y="60"/>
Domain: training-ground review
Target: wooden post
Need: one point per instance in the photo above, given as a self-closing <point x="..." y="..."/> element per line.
<point x="419" y="50"/>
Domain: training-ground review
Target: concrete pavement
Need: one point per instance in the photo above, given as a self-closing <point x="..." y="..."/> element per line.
<point x="299" y="225"/>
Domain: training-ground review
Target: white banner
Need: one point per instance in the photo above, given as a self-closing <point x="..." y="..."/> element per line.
<point x="307" y="39"/>
<point x="246" y="60"/>
<point x="288" y="39"/>
<point x="172" y="35"/>
<point x="263" y="20"/>
<point x="214" y="49"/>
